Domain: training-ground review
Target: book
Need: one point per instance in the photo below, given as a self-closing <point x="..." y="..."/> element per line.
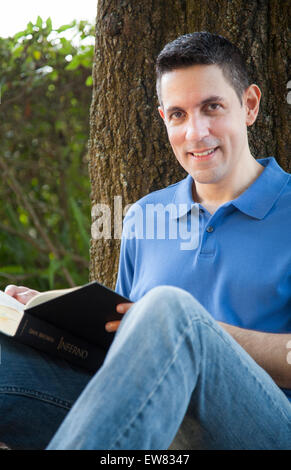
<point x="67" y="323"/>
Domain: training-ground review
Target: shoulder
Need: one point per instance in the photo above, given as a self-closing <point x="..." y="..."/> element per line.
<point x="285" y="195"/>
<point x="274" y="183"/>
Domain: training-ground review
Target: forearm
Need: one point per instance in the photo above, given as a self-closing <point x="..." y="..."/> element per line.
<point x="269" y="350"/>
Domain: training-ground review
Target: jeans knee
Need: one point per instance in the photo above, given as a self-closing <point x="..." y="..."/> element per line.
<point x="168" y="295"/>
<point x="169" y="303"/>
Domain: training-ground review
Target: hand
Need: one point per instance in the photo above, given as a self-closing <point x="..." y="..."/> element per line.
<point x="120" y="308"/>
<point x="20" y="293"/>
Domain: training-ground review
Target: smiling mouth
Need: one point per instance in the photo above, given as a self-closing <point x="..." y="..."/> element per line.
<point x="203" y="155"/>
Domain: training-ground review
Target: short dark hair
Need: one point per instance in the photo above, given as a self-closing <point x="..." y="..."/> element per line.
<point x="204" y="48"/>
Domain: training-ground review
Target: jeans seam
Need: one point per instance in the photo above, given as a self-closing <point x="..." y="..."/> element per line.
<point x="10" y="390"/>
<point x="157" y="384"/>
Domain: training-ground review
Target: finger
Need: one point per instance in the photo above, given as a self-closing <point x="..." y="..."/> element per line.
<point x="12" y="289"/>
<point x="24" y="297"/>
<point x="27" y="291"/>
<point x="112" y="326"/>
<point x="122" y="308"/>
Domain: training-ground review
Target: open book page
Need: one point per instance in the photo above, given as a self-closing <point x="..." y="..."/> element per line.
<point x="11" y="312"/>
<point x="9" y="301"/>
<point x="48" y="295"/>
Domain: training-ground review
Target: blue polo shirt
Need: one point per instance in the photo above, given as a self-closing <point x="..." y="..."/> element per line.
<point x="237" y="261"/>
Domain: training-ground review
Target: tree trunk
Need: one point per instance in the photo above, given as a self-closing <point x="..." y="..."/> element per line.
<point x="129" y="152"/>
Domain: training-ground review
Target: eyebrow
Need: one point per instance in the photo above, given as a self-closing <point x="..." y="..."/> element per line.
<point x="211" y="99"/>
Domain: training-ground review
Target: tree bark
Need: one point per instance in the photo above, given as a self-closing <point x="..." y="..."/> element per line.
<point x="129" y="152"/>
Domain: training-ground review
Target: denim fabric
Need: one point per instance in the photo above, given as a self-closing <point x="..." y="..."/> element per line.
<point x="36" y="393"/>
<point x="172" y="378"/>
<point x="172" y="365"/>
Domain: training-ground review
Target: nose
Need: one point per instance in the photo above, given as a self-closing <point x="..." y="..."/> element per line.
<point x="197" y="128"/>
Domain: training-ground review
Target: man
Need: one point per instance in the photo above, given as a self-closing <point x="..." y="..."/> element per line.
<point x="214" y="363"/>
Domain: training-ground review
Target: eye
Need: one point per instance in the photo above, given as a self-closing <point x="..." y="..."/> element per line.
<point x="176" y="115"/>
<point x="213" y="106"/>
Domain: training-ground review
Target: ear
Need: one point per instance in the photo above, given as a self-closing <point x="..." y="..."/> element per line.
<point x="162" y="114"/>
<point x="251" y="99"/>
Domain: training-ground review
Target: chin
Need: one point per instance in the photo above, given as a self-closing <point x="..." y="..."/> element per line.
<point x="206" y="176"/>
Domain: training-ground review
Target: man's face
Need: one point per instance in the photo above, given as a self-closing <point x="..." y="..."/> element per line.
<point x="205" y="121"/>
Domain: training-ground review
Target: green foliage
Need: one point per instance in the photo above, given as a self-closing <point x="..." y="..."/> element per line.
<point x="45" y="94"/>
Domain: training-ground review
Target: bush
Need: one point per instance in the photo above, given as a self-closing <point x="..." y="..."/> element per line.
<point x="45" y="83"/>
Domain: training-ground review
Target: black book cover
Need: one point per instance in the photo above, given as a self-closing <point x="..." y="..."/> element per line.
<point x="72" y="325"/>
<point x="50" y="339"/>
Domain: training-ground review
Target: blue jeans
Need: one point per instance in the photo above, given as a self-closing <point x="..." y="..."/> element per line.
<point x="173" y="378"/>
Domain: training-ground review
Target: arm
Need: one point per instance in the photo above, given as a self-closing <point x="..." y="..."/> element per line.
<point x="269" y="350"/>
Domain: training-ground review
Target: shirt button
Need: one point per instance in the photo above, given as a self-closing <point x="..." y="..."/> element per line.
<point x="209" y="229"/>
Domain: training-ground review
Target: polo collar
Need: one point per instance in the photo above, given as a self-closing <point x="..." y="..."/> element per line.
<point x="260" y="197"/>
<point x="183" y="198"/>
<point x="256" y="201"/>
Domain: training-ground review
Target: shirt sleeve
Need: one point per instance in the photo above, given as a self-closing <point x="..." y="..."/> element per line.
<point x="126" y="264"/>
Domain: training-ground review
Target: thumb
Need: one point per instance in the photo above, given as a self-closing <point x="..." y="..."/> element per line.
<point x="11" y="290"/>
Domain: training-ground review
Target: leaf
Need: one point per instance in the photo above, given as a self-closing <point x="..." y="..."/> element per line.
<point x="37" y="55"/>
<point x="49" y="25"/>
<point x="66" y="26"/>
<point x="89" y="81"/>
<point x="12" y="269"/>
<point x="60" y="125"/>
<point x="23" y="218"/>
<point x="74" y="64"/>
<point x="54" y="75"/>
<point x="39" y="22"/>
<point x="18" y="51"/>
<point x="19" y="35"/>
<point x="29" y="28"/>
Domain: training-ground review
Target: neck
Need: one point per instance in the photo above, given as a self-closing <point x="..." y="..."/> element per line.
<point x="213" y="195"/>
